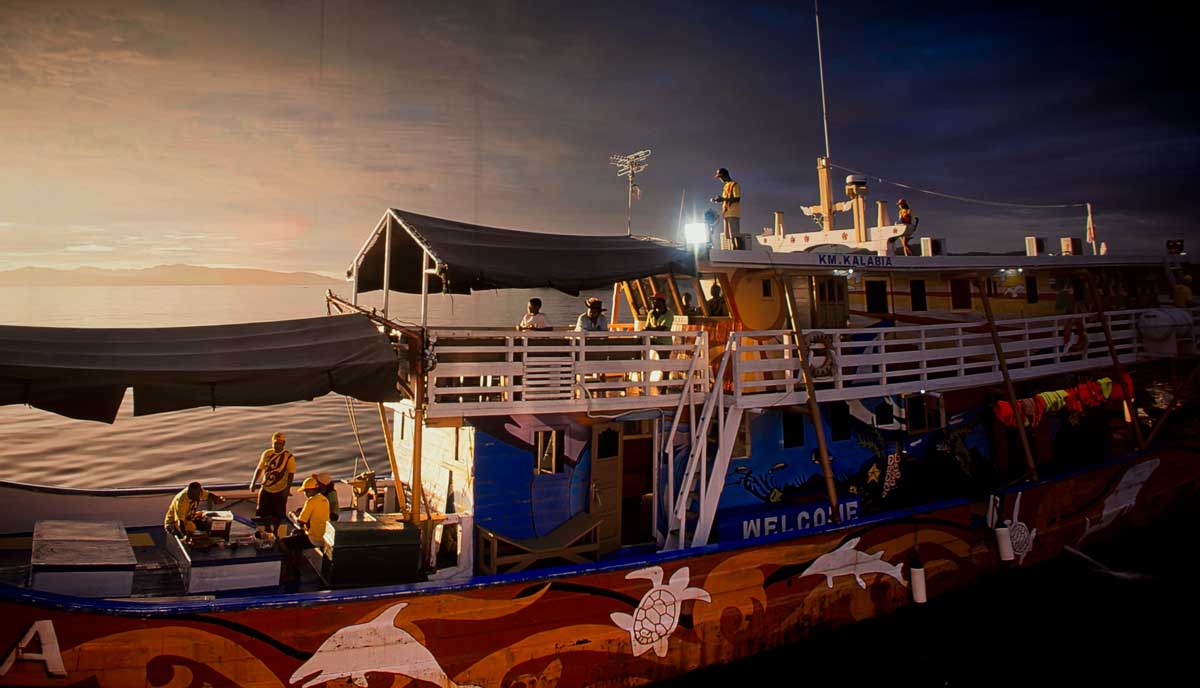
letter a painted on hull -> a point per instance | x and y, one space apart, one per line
47 653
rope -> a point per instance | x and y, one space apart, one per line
965 199
354 426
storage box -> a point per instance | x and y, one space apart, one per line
378 550
83 558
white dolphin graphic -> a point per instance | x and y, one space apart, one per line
1122 498
847 561
354 651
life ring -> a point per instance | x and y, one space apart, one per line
1075 339
825 365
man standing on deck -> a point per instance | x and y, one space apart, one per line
277 467
731 208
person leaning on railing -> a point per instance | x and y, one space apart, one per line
533 319
593 319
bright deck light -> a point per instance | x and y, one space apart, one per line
696 232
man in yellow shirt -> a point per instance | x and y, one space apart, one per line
312 519
183 516
277 466
1183 292
731 207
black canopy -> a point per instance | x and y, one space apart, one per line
83 373
476 257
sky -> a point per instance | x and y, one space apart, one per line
275 134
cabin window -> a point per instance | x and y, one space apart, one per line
916 290
884 414
793 429
923 412
877 297
1031 291
608 443
839 420
960 294
548 444
766 288
457 438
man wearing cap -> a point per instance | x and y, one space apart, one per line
277 466
731 206
312 520
593 319
183 516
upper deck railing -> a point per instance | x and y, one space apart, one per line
871 362
482 372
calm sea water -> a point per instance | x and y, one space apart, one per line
205 444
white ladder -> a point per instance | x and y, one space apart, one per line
703 479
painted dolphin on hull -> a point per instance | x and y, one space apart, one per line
1122 499
847 561
354 651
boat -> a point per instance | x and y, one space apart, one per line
861 431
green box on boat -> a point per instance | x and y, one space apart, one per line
380 551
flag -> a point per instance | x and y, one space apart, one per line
1091 229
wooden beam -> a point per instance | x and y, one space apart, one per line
1118 369
616 303
814 409
674 293
980 284
633 316
700 294
642 295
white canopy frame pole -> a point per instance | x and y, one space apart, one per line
387 265
424 288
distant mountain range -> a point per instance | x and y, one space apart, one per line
157 276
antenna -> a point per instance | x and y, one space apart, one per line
821 66
628 166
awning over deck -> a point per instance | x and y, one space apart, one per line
83 373
474 257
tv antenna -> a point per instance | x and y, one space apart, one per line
628 166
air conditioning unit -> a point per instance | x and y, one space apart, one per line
933 247
1035 246
1071 246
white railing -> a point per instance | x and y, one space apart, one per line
502 372
872 362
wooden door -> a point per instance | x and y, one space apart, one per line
832 305
606 483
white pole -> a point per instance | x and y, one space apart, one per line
424 289
387 266
821 66
629 209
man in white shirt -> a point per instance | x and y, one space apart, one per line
593 320
533 319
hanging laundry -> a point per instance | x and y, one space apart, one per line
1028 411
1004 414
1039 410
